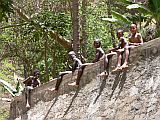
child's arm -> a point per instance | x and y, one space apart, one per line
67 65
96 57
126 42
39 83
99 54
78 60
140 38
27 80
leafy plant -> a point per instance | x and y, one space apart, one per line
152 11
5 9
14 91
118 18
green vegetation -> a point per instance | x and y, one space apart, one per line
39 34
6 73
5 9
4 114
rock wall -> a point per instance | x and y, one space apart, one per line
129 95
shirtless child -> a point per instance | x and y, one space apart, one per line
99 51
30 83
135 39
77 64
117 50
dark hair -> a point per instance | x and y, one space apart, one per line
120 30
133 24
71 53
97 41
36 71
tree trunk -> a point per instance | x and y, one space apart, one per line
46 59
25 71
111 25
157 28
54 68
75 26
84 34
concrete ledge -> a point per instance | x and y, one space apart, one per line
41 93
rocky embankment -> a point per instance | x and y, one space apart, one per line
129 95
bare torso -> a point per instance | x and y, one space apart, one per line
135 38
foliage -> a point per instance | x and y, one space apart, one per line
4 113
31 47
5 9
151 11
7 80
118 18
14 91
96 28
58 22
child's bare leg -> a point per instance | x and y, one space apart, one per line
27 98
80 72
119 59
125 65
59 80
104 73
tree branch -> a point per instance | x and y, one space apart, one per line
14 25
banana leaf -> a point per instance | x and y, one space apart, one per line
8 87
140 8
112 20
121 17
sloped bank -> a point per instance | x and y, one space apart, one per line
128 95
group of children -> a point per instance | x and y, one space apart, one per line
135 39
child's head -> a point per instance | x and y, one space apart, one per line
120 33
36 73
133 28
97 43
71 54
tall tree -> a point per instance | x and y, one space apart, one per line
111 25
84 25
75 26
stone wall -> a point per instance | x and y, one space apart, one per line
129 95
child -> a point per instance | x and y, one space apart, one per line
117 50
120 49
30 83
99 51
72 68
77 64
135 39
99 54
